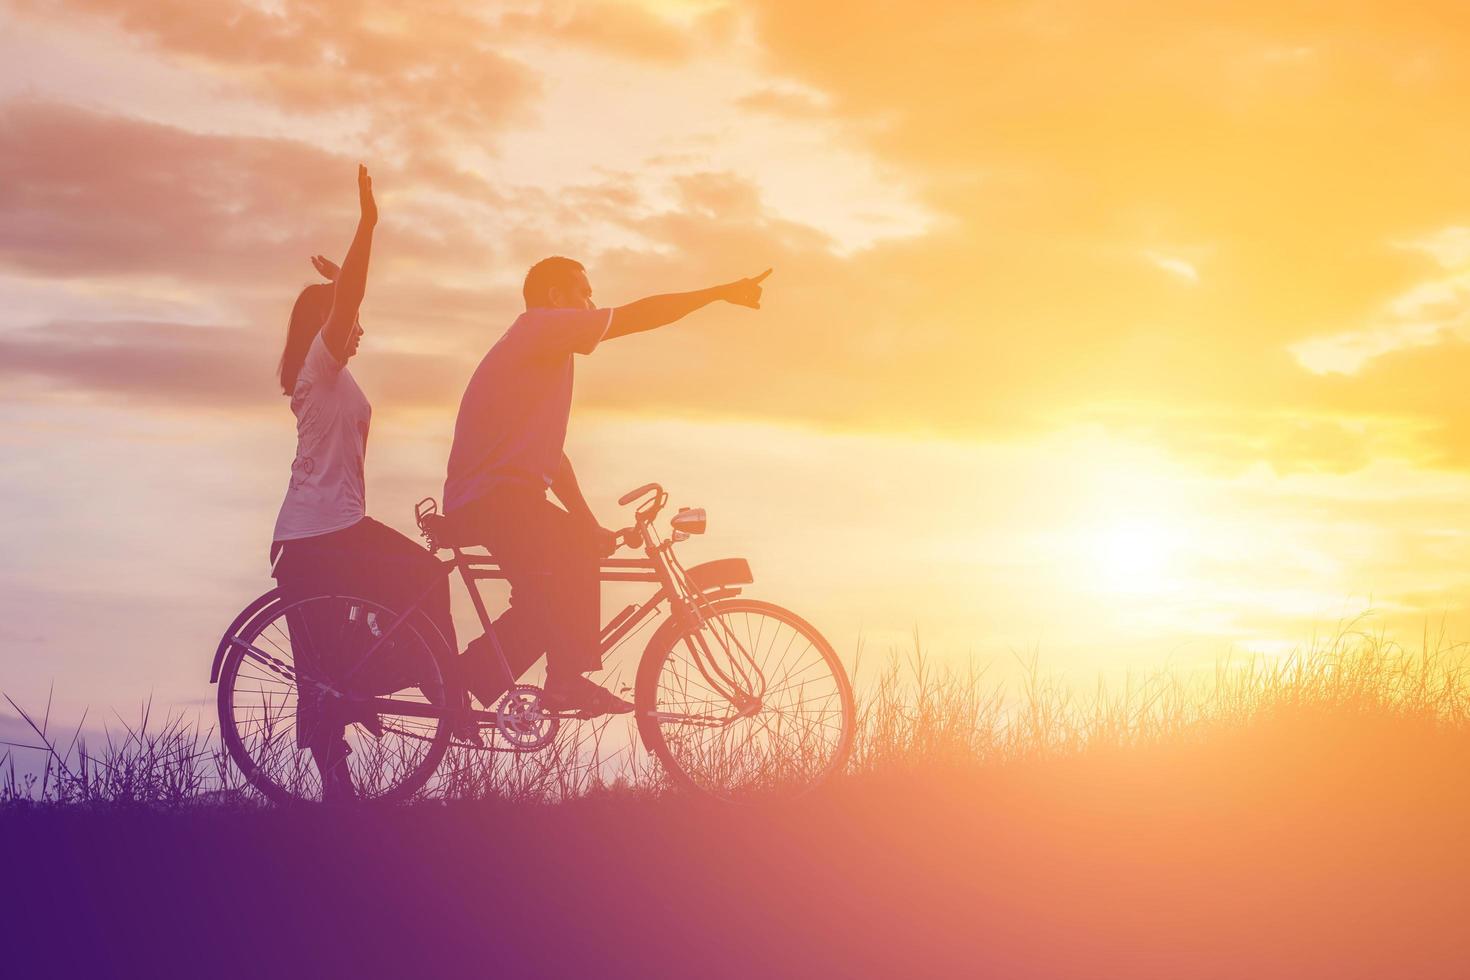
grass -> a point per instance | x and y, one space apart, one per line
915 719
1300 817
919 718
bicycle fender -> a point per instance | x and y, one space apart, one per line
719 574
224 641
713 580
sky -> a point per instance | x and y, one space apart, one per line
1121 336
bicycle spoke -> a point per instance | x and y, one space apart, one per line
798 730
265 712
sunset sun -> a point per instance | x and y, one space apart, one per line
1133 554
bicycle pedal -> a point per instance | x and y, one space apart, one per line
581 714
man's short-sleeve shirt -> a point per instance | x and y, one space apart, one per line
512 421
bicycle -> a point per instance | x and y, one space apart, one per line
732 695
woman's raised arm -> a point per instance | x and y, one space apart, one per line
352 279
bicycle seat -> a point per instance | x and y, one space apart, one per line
442 531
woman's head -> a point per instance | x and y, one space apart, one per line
307 318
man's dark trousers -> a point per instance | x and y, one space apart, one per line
552 563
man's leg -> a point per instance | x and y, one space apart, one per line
575 588
499 523
552 565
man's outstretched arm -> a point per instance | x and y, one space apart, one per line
657 311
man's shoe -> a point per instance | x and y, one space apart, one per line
573 692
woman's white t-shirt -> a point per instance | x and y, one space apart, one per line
326 492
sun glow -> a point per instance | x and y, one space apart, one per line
1133 554
1126 520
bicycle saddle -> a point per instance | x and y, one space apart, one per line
442 531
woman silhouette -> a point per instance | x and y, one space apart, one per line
324 542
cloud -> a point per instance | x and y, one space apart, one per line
1426 314
1348 353
1048 133
87 195
84 193
176 365
1049 142
411 71
224 224
161 363
1228 440
620 28
795 102
1175 266
1450 247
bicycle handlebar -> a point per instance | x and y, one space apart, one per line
633 495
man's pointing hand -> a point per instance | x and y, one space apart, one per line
746 292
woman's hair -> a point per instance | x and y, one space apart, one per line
307 317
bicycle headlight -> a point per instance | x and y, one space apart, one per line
690 520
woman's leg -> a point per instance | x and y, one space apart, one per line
398 569
306 568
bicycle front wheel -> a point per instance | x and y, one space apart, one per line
313 707
754 701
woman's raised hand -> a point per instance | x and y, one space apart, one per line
352 277
365 196
325 267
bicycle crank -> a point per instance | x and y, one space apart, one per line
523 721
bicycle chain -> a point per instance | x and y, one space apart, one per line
456 741
279 666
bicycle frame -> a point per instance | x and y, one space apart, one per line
685 589
474 568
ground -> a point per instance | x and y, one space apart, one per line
1330 848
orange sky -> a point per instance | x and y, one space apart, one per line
1130 333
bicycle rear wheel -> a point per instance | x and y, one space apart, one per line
784 727
306 714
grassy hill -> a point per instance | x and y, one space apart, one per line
1302 819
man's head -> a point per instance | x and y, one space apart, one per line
558 282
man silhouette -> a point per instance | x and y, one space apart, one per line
508 451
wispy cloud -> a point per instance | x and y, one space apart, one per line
177 365
1450 247
1428 313
85 193
1348 353
1174 265
409 73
